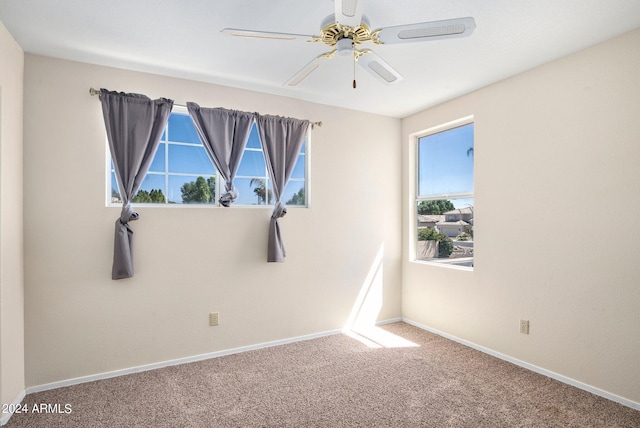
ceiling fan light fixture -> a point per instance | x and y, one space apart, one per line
344 47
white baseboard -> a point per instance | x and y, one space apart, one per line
540 370
6 416
194 358
389 321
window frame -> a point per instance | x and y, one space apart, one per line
179 109
415 197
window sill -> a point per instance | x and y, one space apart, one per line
208 206
456 264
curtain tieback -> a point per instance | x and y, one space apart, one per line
231 195
128 214
278 211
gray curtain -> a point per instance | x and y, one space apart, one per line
281 140
134 126
224 134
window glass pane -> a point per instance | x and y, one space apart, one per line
189 159
252 164
115 193
294 193
254 140
184 189
253 191
445 231
152 190
298 169
181 129
445 162
157 165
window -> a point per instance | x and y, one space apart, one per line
182 173
444 196
253 182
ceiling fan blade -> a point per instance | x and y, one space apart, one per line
379 68
305 71
349 12
434 30
235 32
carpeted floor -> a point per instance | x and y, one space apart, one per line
335 381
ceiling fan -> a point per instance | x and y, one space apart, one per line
349 28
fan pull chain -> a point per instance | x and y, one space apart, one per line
354 68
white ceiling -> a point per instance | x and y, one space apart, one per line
182 38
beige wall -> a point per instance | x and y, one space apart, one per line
557 153
11 241
192 261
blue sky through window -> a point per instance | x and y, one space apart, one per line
181 129
446 162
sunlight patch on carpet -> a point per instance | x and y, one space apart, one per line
361 324
376 337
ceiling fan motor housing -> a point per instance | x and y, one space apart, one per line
332 33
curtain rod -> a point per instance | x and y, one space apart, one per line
94 92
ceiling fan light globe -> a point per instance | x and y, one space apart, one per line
345 47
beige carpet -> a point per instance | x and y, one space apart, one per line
335 381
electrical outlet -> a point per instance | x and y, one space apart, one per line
524 326
213 319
